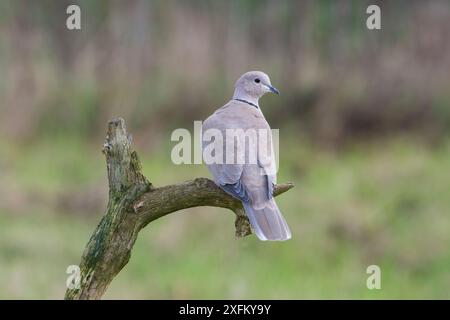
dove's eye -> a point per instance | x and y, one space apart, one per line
257 80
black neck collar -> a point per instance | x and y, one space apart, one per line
247 102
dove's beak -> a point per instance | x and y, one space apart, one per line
273 89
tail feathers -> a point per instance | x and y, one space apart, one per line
268 223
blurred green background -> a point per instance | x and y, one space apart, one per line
364 120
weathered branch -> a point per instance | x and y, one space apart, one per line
134 203
199 192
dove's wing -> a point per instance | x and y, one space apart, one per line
226 176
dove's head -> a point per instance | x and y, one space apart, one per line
253 84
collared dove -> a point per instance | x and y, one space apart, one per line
249 181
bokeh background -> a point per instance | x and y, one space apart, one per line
364 119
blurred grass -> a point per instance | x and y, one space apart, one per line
376 203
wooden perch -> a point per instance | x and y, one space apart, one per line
134 203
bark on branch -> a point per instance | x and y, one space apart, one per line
133 203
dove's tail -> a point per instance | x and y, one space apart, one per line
267 222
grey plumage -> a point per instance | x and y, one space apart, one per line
249 181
